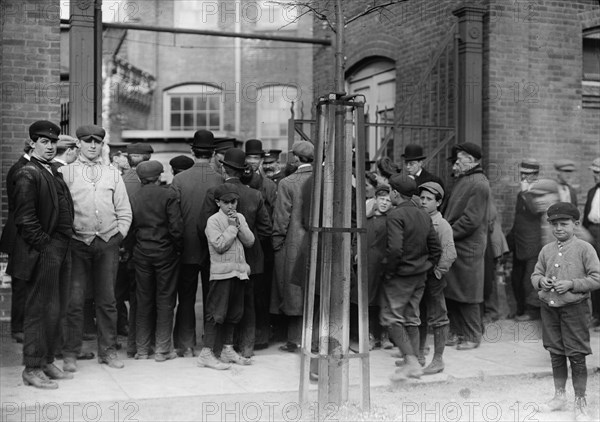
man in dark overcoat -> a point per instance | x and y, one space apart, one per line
467 212
414 159
252 205
7 244
44 220
289 236
191 186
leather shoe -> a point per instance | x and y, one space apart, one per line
56 374
111 360
289 347
18 337
69 364
37 378
162 357
467 345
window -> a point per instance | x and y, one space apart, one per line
591 69
193 107
273 111
272 15
198 14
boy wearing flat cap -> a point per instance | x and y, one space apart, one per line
564 176
157 233
228 234
566 271
413 249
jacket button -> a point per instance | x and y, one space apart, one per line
551 302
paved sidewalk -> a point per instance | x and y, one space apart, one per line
509 348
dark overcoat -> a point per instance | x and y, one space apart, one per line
9 232
289 239
467 212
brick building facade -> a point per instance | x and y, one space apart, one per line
535 99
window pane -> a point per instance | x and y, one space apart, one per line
200 102
175 103
188 103
175 121
201 119
213 103
188 120
214 120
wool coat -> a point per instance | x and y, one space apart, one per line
9 233
467 212
289 239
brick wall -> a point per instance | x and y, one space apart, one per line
29 74
531 77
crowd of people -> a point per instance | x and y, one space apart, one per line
88 234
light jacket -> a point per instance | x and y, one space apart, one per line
226 246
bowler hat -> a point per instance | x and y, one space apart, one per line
565 165
271 155
204 140
413 152
433 187
254 147
562 210
303 149
149 169
529 165
595 165
139 148
86 132
234 158
403 184
181 162
468 147
44 128
223 144
226 192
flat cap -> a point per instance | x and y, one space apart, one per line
44 128
562 210
543 187
303 149
90 131
148 169
403 184
65 142
529 165
226 192
271 155
382 190
181 162
470 148
139 148
432 187
595 165
565 165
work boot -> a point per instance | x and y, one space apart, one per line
436 366
412 369
229 355
558 402
37 378
70 364
54 373
207 359
581 410
162 357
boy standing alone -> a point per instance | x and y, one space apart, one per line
566 271
227 233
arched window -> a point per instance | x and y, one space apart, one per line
273 110
192 107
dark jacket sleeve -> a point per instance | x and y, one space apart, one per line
395 241
263 224
434 246
175 220
26 208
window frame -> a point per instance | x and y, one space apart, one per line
193 90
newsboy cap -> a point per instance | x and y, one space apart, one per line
226 192
304 149
565 165
403 184
149 169
529 165
433 187
204 140
543 187
44 128
562 210
90 131
64 143
470 148
139 148
181 162
595 165
382 190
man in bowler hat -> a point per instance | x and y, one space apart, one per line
191 186
413 162
44 220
